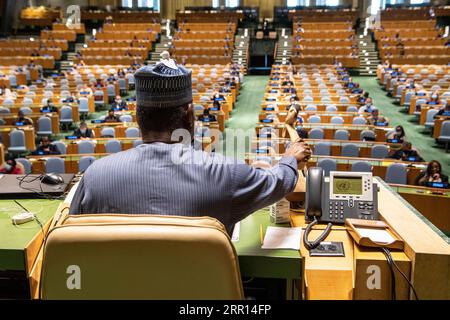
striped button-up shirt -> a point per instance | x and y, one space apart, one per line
175 179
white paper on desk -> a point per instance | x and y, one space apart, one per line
376 235
282 238
236 232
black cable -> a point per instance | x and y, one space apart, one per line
314 244
386 251
390 263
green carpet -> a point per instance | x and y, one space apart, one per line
415 133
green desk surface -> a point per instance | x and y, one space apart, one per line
264 263
14 239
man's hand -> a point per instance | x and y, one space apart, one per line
299 150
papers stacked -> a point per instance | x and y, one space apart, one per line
279 211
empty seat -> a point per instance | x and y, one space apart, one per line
361 166
322 149
137 142
86 147
66 116
17 141
331 108
44 126
350 150
429 122
396 173
316 133
359 120
132 132
327 165
83 107
126 118
337 120
108 132
113 146
314 119
311 108
341 134
379 151
55 165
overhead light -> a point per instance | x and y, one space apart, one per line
31 39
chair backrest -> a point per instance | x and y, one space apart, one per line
314 119
108 132
322 149
352 109
170 258
66 113
361 166
359 120
380 151
85 162
132 132
61 146
17 138
396 173
113 146
26 164
445 129
86 147
341 134
350 150
327 165
45 124
111 90
4 110
311 108
337 120
126 118
84 105
430 115
316 133
367 134
55 165
26 110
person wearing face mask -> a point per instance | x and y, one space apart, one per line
406 153
84 132
368 107
206 116
11 167
434 99
433 173
376 120
398 134
118 104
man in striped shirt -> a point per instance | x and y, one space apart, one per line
166 177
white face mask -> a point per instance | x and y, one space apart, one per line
434 96
7 166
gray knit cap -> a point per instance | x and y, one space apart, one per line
165 84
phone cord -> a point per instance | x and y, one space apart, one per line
314 244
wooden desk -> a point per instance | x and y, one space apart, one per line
427 249
29 136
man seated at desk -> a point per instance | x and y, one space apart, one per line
445 111
290 90
49 107
118 104
226 189
83 132
21 120
368 107
46 147
434 99
217 96
206 116
406 153
376 120
433 173
111 117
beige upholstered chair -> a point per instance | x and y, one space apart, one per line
139 257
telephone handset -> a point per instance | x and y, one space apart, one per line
335 198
